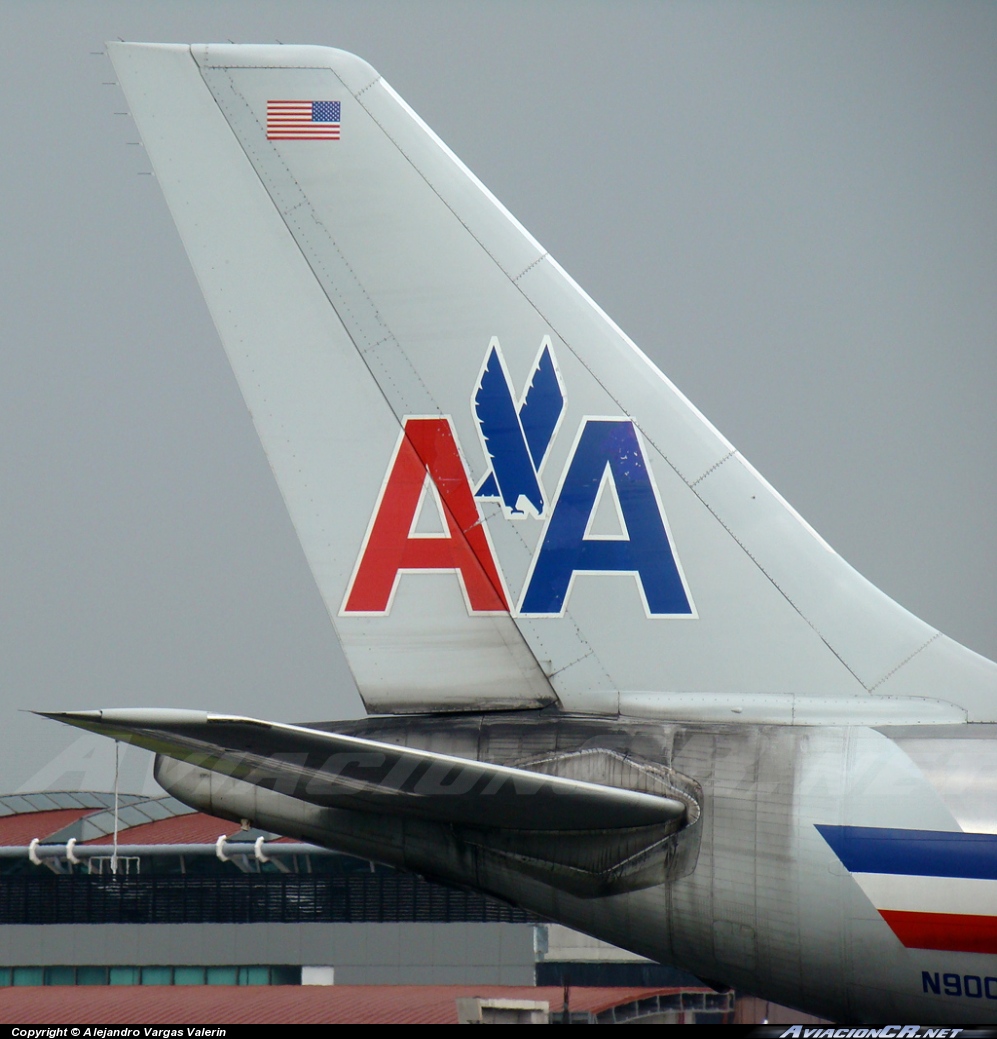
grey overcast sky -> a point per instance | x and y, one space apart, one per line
792 207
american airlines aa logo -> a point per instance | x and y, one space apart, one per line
607 462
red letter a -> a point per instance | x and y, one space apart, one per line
427 449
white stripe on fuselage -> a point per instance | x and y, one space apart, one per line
956 895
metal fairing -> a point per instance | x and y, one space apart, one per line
593 819
621 682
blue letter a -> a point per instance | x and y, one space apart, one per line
642 550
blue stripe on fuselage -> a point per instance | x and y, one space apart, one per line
921 853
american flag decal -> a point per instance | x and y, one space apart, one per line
303 120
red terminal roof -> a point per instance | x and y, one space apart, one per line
16 830
144 820
193 828
284 1004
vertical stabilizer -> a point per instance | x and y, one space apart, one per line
502 500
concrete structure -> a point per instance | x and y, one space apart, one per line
361 954
565 956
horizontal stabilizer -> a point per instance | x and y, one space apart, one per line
339 771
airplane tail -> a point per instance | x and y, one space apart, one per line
503 501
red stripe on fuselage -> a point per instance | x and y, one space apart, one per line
949 931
